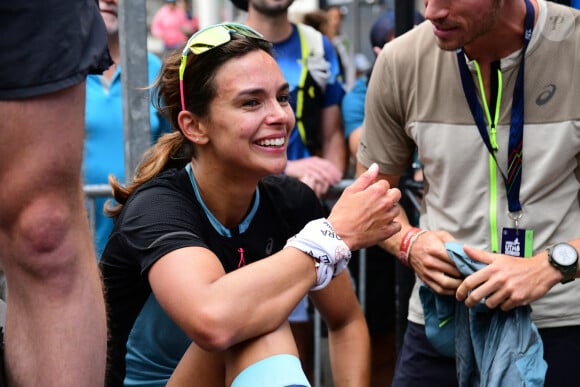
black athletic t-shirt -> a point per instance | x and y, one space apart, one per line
164 215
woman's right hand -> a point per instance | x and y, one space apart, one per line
364 214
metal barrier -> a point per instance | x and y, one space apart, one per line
92 192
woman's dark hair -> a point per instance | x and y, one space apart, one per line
174 150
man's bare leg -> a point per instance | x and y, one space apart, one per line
55 324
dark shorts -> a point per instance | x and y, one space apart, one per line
562 353
419 364
49 45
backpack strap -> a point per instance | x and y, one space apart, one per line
310 45
312 39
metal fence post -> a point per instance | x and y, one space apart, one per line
133 47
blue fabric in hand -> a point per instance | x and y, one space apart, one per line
491 347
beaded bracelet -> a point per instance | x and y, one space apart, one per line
415 237
407 243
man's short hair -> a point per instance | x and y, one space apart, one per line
241 4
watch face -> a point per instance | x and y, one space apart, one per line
564 254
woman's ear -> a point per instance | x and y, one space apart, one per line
192 127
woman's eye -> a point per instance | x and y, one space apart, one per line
251 102
284 98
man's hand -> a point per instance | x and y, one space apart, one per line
429 259
507 282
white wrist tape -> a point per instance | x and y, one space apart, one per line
324 274
319 240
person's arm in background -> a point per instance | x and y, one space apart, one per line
333 146
348 335
353 114
353 141
320 173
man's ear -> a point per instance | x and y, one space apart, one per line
192 127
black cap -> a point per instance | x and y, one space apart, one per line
382 28
385 26
241 4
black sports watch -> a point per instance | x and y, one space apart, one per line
564 257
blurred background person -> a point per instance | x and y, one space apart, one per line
104 145
173 25
335 15
328 22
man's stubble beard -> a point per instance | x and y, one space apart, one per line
263 7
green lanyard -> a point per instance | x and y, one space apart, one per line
492 164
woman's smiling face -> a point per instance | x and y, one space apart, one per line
250 118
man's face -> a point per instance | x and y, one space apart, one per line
271 7
109 10
457 23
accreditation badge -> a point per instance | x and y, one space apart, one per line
517 242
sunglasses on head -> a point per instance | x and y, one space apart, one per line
209 38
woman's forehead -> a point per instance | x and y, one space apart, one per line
256 67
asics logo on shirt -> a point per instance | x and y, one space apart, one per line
546 94
269 246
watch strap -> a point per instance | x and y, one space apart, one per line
568 271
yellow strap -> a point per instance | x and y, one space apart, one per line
305 52
495 243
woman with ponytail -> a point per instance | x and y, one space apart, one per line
213 246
